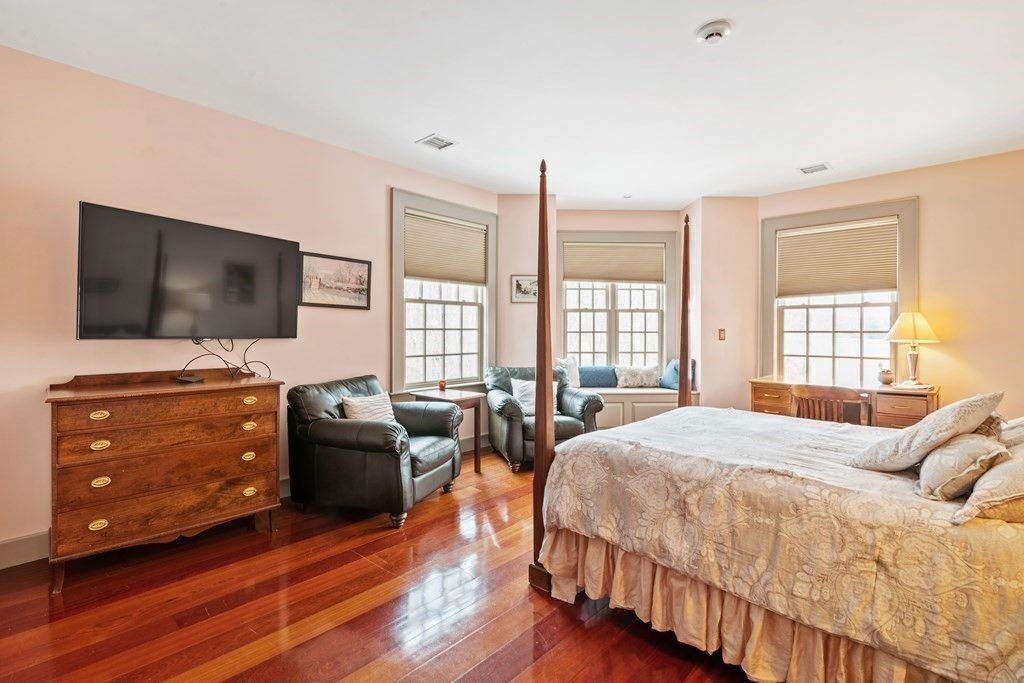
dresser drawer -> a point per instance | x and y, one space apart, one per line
902 406
98 482
770 408
119 412
106 443
770 395
895 421
112 524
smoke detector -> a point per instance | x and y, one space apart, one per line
816 168
436 141
714 31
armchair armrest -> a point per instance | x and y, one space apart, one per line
359 435
503 404
578 403
429 418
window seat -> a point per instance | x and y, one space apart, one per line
623 405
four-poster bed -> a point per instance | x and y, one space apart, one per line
752 535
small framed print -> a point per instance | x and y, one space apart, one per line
334 281
524 289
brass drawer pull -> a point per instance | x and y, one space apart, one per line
99 415
249 400
770 412
249 426
771 395
100 482
100 445
98 524
902 405
248 455
251 491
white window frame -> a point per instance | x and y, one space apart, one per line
906 211
612 311
400 201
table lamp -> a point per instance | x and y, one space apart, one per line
912 328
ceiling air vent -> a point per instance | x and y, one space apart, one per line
816 168
436 141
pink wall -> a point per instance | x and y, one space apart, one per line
637 221
68 135
972 242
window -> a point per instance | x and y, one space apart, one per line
835 339
443 332
615 323
443 300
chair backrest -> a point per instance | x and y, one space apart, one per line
828 403
311 402
501 378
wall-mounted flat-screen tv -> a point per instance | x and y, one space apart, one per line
148 277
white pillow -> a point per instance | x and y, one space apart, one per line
524 391
376 407
999 494
572 370
951 469
634 377
1012 432
911 445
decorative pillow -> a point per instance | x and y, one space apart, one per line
992 427
670 378
951 469
597 376
572 370
376 407
525 392
1012 433
912 444
634 377
999 494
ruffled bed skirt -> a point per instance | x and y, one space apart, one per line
769 646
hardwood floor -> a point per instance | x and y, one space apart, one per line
335 596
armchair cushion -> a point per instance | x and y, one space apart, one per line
429 418
311 402
578 403
565 427
430 452
359 435
501 378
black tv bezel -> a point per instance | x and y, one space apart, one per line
78 284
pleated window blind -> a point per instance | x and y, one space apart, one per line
446 249
614 261
858 256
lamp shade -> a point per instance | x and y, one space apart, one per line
912 328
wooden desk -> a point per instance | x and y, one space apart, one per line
464 400
889 407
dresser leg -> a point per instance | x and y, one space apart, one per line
264 522
56 578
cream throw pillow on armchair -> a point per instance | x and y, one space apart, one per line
376 407
525 391
912 444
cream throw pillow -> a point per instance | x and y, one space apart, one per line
912 444
376 407
1012 432
999 494
635 377
950 470
525 391
572 370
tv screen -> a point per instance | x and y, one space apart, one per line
147 277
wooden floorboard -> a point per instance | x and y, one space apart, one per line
335 596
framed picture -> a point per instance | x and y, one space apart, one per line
524 289
334 281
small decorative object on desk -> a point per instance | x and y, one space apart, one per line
441 385
886 376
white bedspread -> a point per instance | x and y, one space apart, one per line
766 508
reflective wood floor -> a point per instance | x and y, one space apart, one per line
335 596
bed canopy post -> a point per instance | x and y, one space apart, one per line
544 411
685 389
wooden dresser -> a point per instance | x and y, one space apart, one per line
141 458
889 407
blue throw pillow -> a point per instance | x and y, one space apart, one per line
598 376
670 378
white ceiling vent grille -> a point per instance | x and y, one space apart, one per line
436 141
816 168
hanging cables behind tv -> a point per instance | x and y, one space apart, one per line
233 368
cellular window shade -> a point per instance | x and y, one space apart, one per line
614 261
447 249
859 256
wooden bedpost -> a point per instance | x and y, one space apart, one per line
544 439
684 321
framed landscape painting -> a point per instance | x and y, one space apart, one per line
524 289
334 281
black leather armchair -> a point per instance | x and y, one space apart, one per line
383 466
511 433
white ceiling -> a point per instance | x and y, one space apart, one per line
616 94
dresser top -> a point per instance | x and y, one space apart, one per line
159 383
878 388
